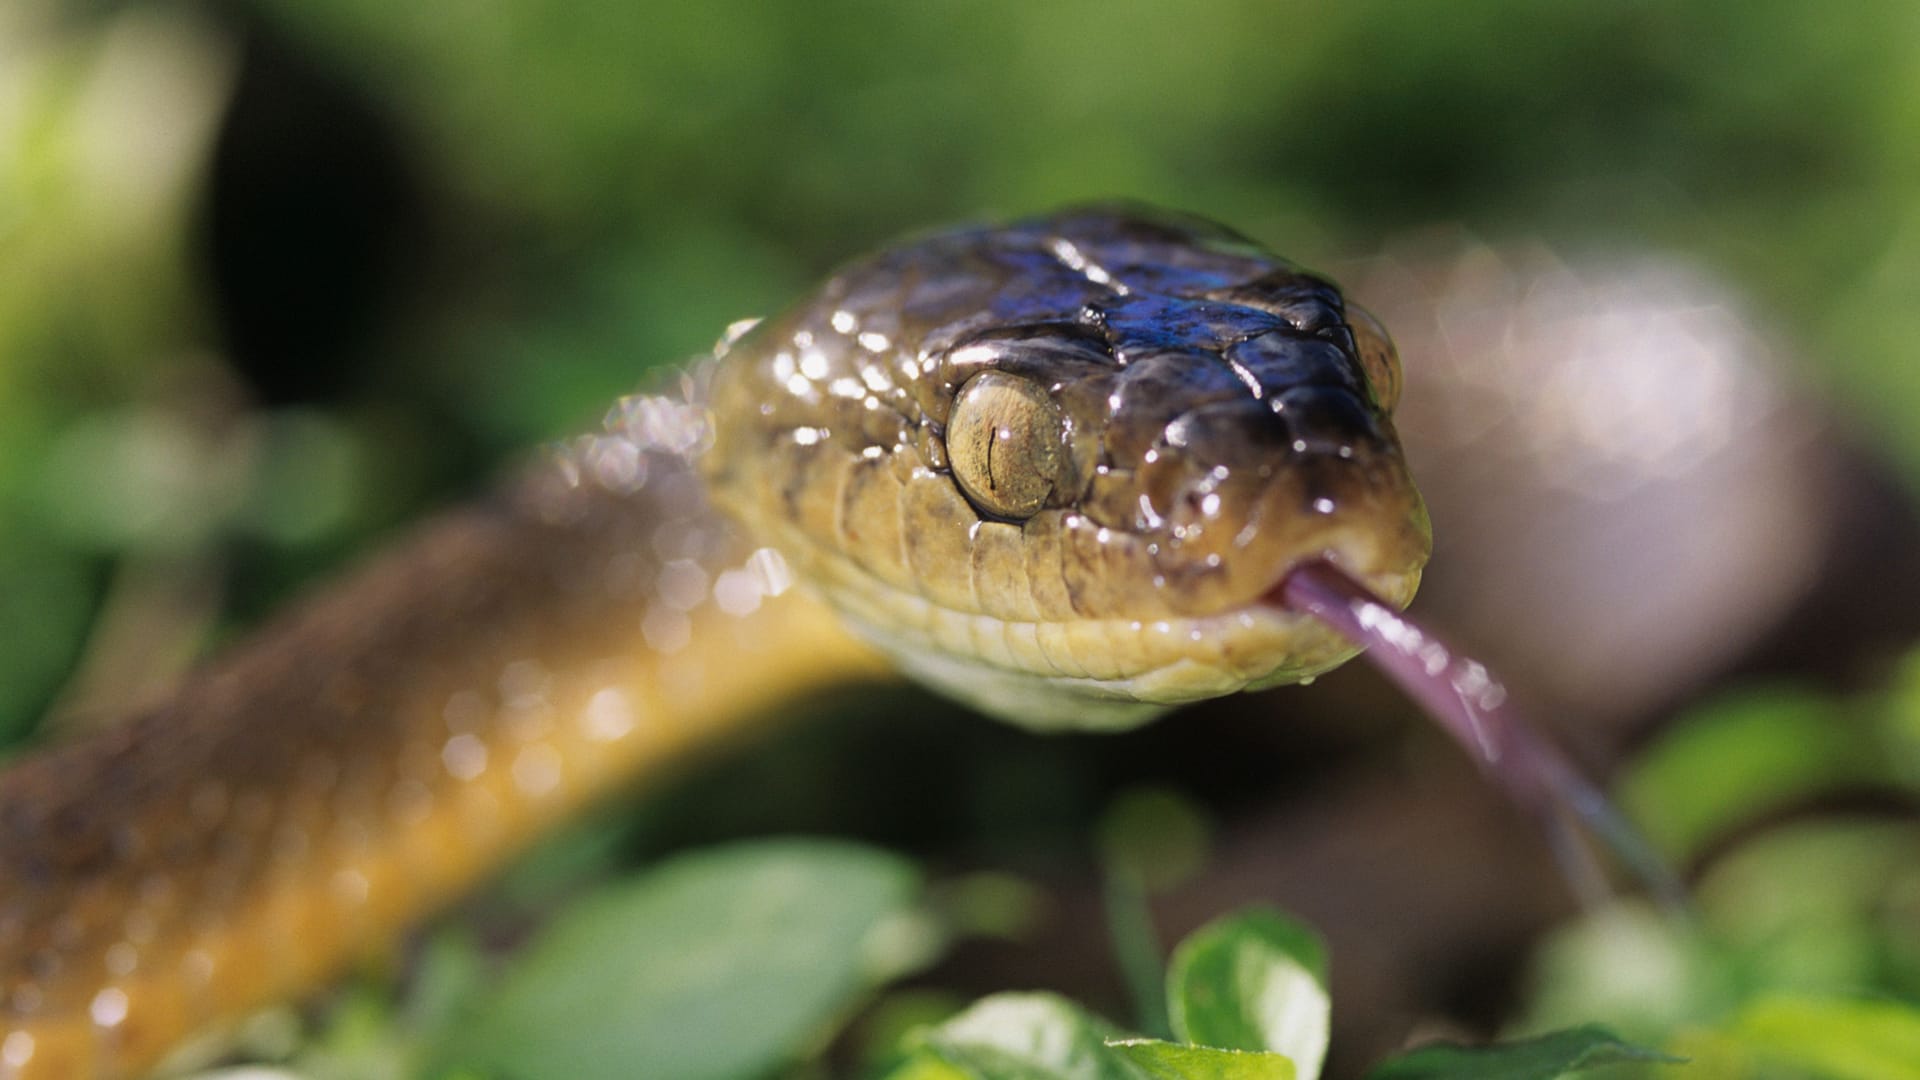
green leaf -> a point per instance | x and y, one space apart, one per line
450 973
1153 838
1642 971
926 1066
1735 758
1838 1040
1044 1037
1560 1053
1026 1037
45 603
1256 980
1172 1061
719 964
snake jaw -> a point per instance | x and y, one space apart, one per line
1105 673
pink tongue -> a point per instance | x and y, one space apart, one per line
1471 706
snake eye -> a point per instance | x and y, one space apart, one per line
1378 360
1006 440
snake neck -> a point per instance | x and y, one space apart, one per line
373 753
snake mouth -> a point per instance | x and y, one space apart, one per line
1377 536
1388 566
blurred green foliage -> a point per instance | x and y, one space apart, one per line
586 191
1805 959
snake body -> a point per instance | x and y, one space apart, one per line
1052 467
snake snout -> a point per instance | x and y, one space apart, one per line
1359 511
1253 487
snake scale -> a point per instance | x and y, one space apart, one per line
1053 467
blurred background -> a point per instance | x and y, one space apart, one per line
277 278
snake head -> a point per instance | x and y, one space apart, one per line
1056 467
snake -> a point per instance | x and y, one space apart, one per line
1056 468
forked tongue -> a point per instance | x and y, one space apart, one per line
1471 706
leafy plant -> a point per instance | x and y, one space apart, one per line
1248 998
717 964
